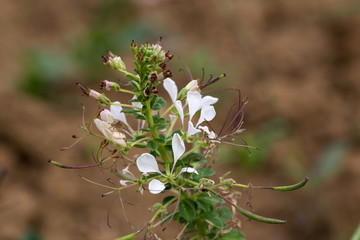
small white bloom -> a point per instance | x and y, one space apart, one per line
110 132
197 102
146 163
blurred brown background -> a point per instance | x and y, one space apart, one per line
297 61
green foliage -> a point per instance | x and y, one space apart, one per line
232 235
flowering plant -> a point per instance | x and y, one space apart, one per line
176 144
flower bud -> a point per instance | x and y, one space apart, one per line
153 77
94 94
167 74
168 55
114 61
109 85
133 47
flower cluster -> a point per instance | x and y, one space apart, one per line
177 142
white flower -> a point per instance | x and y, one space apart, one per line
195 102
107 118
146 163
110 132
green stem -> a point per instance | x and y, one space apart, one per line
160 210
154 134
126 91
167 110
168 132
138 141
125 105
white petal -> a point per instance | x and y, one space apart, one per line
205 129
189 170
147 163
118 115
178 147
208 100
207 113
180 110
171 88
119 138
108 134
136 104
194 101
191 129
106 116
124 182
155 186
127 171
212 135
102 126
193 86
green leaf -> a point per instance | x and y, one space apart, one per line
159 103
159 140
167 199
356 235
212 199
225 213
194 157
129 110
138 116
205 172
214 219
187 210
203 205
135 85
131 77
233 235
160 123
151 145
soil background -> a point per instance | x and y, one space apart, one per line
298 62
